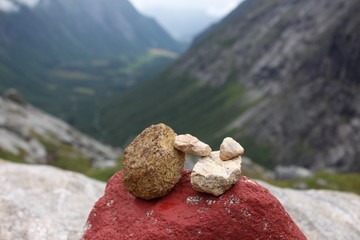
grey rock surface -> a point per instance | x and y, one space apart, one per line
24 128
321 214
297 61
292 172
212 175
42 202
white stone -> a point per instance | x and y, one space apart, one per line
230 149
42 202
214 176
190 144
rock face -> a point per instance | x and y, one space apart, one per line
212 175
292 60
230 149
42 202
247 211
190 144
321 214
152 166
37 137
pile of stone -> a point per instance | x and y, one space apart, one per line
180 206
154 161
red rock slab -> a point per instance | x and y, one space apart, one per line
246 211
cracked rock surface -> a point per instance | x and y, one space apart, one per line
212 175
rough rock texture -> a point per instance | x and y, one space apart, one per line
212 175
42 202
152 166
190 144
27 132
321 214
292 172
246 211
230 149
65 201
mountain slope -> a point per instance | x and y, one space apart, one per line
280 76
29 135
61 54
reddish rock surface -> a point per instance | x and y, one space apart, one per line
246 211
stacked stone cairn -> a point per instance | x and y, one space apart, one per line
154 161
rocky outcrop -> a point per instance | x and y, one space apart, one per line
37 137
152 166
191 145
246 211
212 175
298 58
42 202
321 214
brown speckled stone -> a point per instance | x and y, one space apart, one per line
152 166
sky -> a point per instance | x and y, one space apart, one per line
9 6
184 19
216 8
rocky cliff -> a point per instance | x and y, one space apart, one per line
279 75
42 202
29 135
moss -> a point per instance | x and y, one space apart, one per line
105 174
12 157
347 182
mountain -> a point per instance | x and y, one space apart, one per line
61 53
29 135
280 76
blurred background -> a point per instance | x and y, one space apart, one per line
81 79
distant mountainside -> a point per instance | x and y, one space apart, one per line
61 53
29 135
281 76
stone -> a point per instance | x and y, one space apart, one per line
246 211
190 144
41 202
13 95
230 149
212 175
292 172
152 166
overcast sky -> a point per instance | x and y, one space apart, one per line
218 8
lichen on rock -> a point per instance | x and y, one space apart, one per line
152 166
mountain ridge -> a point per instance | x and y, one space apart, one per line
264 75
